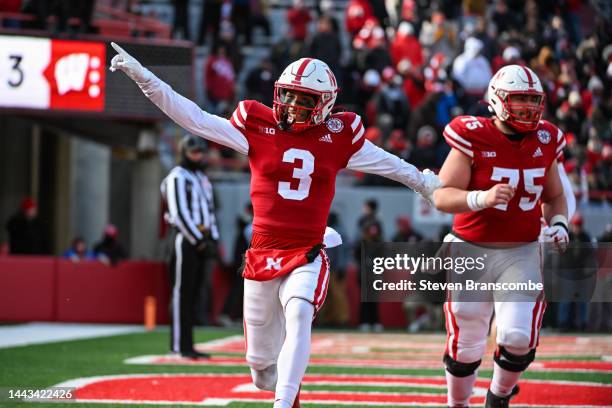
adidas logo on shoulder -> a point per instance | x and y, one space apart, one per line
326 138
538 152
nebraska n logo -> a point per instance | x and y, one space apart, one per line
273 263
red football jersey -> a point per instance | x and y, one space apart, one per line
293 174
496 159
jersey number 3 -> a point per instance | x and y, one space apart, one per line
301 173
512 176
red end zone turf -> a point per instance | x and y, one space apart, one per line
562 355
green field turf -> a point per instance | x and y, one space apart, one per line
40 366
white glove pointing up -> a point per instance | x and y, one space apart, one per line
130 65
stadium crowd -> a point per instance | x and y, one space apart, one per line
408 67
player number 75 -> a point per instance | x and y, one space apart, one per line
513 177
471 122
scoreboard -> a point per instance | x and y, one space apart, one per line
62 76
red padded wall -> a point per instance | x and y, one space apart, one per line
93 292
27 286
50 289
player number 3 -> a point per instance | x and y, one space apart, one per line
301 173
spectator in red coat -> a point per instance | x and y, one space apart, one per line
370 47
220 78
414 83
406 46
298 17
510 56
357 13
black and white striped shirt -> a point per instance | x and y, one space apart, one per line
191 207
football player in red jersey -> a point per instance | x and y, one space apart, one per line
500 177
295 151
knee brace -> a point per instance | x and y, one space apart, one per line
265 379
513 362
459 369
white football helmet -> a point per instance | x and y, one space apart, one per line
308 76
516 79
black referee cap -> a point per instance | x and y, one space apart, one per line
191 142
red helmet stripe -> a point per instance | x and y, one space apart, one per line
332 80
300 72
529 78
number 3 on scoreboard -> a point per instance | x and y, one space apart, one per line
16 76
512 176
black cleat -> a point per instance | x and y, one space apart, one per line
194 355
493 401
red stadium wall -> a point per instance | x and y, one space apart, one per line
93 292
51 289
27 288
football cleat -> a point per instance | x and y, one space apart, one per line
194 355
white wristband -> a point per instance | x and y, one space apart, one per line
476 200
559 219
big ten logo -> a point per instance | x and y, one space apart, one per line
76 75
267 130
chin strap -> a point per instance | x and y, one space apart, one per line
283 124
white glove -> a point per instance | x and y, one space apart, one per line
557 235
130 65
431 183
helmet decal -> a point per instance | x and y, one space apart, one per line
300 71
529 78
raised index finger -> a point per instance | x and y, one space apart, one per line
118 49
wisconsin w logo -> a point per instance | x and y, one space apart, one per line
273 263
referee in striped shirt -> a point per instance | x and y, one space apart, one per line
189 196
